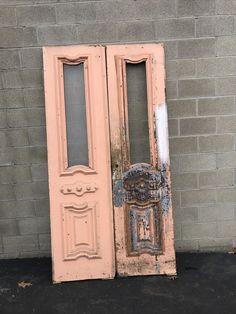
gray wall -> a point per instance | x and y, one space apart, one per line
200 41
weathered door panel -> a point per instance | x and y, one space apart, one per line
79 163
144 237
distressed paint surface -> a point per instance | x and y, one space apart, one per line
144 229
143 217
80 196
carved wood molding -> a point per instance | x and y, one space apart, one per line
79 188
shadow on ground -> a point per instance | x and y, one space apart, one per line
206 283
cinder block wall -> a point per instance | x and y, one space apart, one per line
200 41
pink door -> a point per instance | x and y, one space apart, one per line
79 163
144 235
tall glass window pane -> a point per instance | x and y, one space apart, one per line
137 112
76 124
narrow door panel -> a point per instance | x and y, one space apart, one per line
79 163
140 160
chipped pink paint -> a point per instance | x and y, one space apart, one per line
131 257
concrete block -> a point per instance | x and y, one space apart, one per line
36 117
136 31
225 86
38 154
226 229
226 160
176 199
34 97
214 26
196 88
225 177
226 46
35 15
56 35
6 156
216 106
196 48
170 48
12 79
20 244
208 214
7 16
226 124
45 242
74 13
17 37
11 98
17 137
225 6
215 245
153 9
30 36
14 209
25 117
226 195
207 179
185 215
23 78
198 231
182 145
40 189
9 59
39 172
24 191
192 126
186 245
3 138
196 7
173 126
3 119
17 118
31 58
197 162
6 174
95 33
174 162
34 225
24 155
42 208
8 227
216 66
216 143
181 108
43 225
37 136
175 28
177 231
171 89
225 211
32 78
176 69
193 198
184 181
21 173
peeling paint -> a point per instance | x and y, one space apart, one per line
118 192
142 184
162 132
166 200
